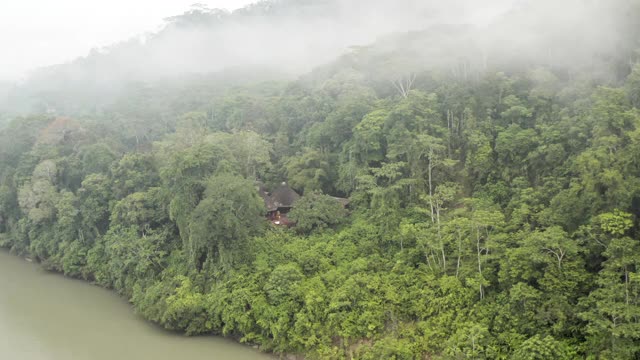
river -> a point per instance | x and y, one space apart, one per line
45 316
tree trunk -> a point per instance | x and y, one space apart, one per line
479 252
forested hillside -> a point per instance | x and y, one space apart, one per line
494 197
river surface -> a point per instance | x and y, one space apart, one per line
45 316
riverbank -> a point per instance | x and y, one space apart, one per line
45 316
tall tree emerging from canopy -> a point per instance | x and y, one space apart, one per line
230 213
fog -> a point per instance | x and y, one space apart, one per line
294 36
36 33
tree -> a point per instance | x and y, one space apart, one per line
469 341
222 223
134 173
95 199
484 220
37 198
97 158
612 308
317 212
143 211
251 152
633 86
308 171
547 348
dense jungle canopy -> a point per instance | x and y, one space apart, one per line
493 178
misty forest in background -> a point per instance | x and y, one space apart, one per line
494 196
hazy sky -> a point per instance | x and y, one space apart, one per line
36 33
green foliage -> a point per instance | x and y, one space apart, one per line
222 223
308 171
133 173
537 348
616 223
97 158
493 215
317 212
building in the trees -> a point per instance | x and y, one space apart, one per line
282 200
279 202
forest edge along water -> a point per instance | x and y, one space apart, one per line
360 179
46 316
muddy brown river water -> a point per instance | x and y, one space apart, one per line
45 316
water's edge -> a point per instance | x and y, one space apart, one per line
130 309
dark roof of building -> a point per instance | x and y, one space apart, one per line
284 196
264 194
268 202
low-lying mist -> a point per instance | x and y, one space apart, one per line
294 36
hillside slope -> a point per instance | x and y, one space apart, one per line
494 196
